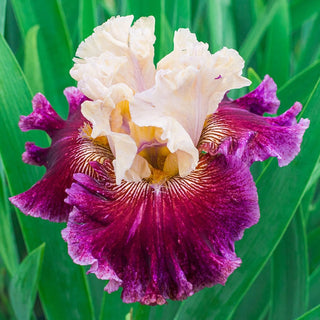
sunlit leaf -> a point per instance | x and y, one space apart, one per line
32 68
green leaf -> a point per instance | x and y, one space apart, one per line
254 78
24 284
221 27
166 34
55 45
178 13
311 48
277 62
256 302
290 272
314 252
302 10
3 6
259 241
113 308
87 18
314 288
71 12
299 87
32 68
8 249
313 314
63 287
167 311
142 312
257 31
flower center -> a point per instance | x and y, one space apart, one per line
151 149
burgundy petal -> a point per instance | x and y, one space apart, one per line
69 153
162 241
43 117
259 137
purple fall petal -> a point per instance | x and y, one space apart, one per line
43 117
68 153
162 241
263 137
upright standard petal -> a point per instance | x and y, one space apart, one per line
70 152
116 53
165 241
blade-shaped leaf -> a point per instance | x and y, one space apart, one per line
299 87
8 249
64 289
256 33
71 12
32 68
256 302
290 272
24 284
314 288
221 26
87 18
55 45
311 48
277 62
113 308
302 10
260 241
314 252
313 314
3 6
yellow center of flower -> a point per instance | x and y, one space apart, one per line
162 163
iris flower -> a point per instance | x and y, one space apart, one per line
151 168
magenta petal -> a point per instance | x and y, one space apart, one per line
69 153
75 98
162 241
35 155
261 100
43 117
257 137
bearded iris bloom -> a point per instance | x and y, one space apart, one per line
151 168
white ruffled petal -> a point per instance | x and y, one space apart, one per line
116 53
191 82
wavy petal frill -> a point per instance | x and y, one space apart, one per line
69 153
162 241
239 126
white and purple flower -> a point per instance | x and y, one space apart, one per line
151 168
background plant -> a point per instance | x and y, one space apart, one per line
280 274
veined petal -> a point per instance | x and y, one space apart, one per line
69 152
253 137
116 53
162 241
